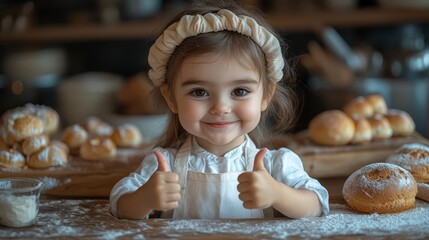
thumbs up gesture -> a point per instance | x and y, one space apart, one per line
163 188
256 188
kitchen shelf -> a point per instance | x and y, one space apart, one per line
287 21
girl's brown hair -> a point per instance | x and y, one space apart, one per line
279 115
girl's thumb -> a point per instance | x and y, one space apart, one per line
258 164
162 162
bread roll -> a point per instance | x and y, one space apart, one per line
401 122
48 156
74 136
381 128
377 102
98 149
49 117
34 144
11 159
413 157
126 135
380 188
24 126
331 127
96 127
358 108
363 131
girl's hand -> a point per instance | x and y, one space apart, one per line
162 191
257 188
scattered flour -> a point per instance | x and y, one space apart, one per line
18 211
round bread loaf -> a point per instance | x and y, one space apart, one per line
48 156
127 135
377 102
96 127
98 149
24 126
34 144
358 108
380 188
414 157
363 131
74 136
401 122
332 127
381 128
11 159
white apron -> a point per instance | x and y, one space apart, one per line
211 196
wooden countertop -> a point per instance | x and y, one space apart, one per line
90 219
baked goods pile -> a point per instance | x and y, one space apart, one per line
25 138
363 119
380 188
96 140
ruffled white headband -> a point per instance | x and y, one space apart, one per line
192 25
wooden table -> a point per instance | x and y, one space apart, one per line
90 219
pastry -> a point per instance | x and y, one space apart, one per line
74 136
11 159
61 145
401 122
48 156
24 126
377 102
95 127
98 149
332 127
414 157
381 128
33 144
380 188
127 135
358 108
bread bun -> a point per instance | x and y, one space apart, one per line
49 117
380 188
61 145
127 135
381 128
11 159
413 157
358 108
74 136
363 131
48 156
34 144
377 102
24 126
98 149
95 127
331 127
401 122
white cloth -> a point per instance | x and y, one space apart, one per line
191 25
283 165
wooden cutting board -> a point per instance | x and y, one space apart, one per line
80 178
341 161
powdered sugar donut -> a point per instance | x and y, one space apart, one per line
414 157
381 188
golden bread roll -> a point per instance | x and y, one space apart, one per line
332 127
24 126
363 131
74 136
414 157
49 156
98 149
381 128
377 102
96 127
380 188
11 159
34 144
49 117
358 108
61 145
126 135
401 122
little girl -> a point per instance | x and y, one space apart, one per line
218 69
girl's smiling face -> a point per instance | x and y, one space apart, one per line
218 100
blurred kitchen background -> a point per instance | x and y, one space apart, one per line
82 57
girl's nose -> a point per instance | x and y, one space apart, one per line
220 106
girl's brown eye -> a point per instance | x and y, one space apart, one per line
240 92
200 93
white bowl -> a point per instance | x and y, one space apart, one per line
19 201
151 126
